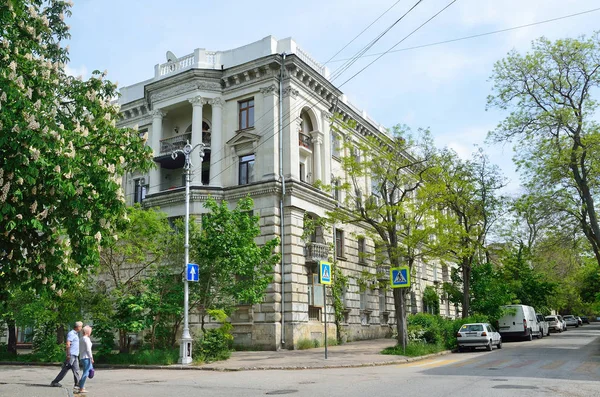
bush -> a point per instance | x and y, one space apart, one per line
426 327
215 344
304 344
45 347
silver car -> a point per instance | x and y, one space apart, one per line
470 336
571 320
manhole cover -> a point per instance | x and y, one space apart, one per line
281 392
515 387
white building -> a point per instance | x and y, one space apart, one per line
236 102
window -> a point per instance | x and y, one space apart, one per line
302 172
356 154
382 301
339 243
335 145
316 299
361 250
358 194
246 169
140 189
336 189
246 109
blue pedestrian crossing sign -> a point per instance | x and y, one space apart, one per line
400 277
325 272
192 272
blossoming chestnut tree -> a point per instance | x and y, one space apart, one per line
61 154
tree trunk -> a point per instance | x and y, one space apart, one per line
12 337
400 307
60 334
123 341
466 275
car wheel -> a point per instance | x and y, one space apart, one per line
541 334
489 346
460 349
530 337
548 334
500 344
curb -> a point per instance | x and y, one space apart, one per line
237 369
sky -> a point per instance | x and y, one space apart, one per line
442 87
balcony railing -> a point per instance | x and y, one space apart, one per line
177 142
316 252
304 141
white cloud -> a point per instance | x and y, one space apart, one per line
76 71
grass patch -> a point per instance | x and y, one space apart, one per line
414 349
142 357
304 344
332 342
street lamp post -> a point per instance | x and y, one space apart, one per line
185 348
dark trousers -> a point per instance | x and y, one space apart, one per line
72 363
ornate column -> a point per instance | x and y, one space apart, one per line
317 138
326 120
197 104
216 143
155 181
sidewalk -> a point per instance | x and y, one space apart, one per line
355 354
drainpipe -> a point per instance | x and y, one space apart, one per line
282 198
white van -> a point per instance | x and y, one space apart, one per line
519 321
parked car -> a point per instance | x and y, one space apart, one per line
519 321
571 320
585 320
470 336
554 324
579 321
544 326
562 321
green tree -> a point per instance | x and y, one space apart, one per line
232 267
61 154
391 209
467 191
146 240
549 92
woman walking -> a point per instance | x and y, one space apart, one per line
86 356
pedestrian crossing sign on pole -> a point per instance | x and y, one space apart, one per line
400 277
325 272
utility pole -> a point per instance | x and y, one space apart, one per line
185 347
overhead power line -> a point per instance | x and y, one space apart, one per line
475 35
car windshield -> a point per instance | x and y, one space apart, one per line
568 317
550 318
472 328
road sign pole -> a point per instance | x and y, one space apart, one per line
185 347
325 310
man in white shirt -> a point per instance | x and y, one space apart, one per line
72 361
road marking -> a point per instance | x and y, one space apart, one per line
467 362
587 367
494 363
522 364
554 364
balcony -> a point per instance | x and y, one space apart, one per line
177 142
316 252
305 142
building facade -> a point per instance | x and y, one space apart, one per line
263 112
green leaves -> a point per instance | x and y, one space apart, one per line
232 267
62 154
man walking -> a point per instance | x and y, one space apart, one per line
72 361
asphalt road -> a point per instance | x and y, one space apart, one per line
566 364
